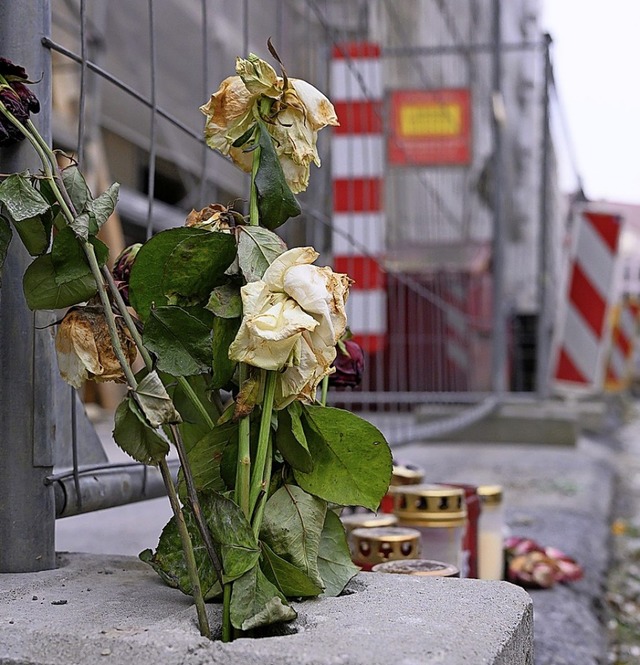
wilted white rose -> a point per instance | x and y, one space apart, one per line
292 320
84 348
297 114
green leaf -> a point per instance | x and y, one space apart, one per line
334 558
95 213
256 602
5 240
257 248
134 435
77 188
69 259
197 265
154 401
47 288
146 279
168 559
205 457
224 332
189 412
292 526
351 459
276 202
103 207
291 581
34 234
291 440
225 301
181 342
21 200
231 530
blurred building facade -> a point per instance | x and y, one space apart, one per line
439 245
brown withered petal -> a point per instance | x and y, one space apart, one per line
11 71
84 349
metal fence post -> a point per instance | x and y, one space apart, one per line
544 324
499 346
27 418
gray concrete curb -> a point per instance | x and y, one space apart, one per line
112 609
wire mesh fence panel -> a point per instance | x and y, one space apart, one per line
405 202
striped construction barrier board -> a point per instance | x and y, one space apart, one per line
357 170
583 332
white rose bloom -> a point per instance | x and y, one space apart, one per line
292 320
299 112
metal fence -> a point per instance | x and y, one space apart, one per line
452 299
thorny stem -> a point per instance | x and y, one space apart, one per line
254 215
243 468
187 546
194 503
263 496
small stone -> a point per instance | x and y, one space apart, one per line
105 652
34 597
59 602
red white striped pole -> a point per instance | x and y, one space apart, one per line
585 329
357 171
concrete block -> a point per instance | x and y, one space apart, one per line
111 609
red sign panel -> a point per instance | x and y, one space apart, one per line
430 127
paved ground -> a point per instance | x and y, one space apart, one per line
564 497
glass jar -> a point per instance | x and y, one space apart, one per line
490 533
470 538
402 474
439 512
379 544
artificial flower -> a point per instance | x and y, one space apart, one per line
292 320
298 111
84 348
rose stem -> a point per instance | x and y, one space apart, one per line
259 482
243 469
194 503
187 547
48 161
324 390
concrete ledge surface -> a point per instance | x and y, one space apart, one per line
110 609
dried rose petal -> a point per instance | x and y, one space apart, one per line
84 349
122 269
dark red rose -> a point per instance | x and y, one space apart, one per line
349 364
17 98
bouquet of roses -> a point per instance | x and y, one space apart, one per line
218 307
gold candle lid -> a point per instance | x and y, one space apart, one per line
430 505
490 495
378 544
367 520
424 567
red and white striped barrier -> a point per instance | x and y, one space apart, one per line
584 331
623 338
357 169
